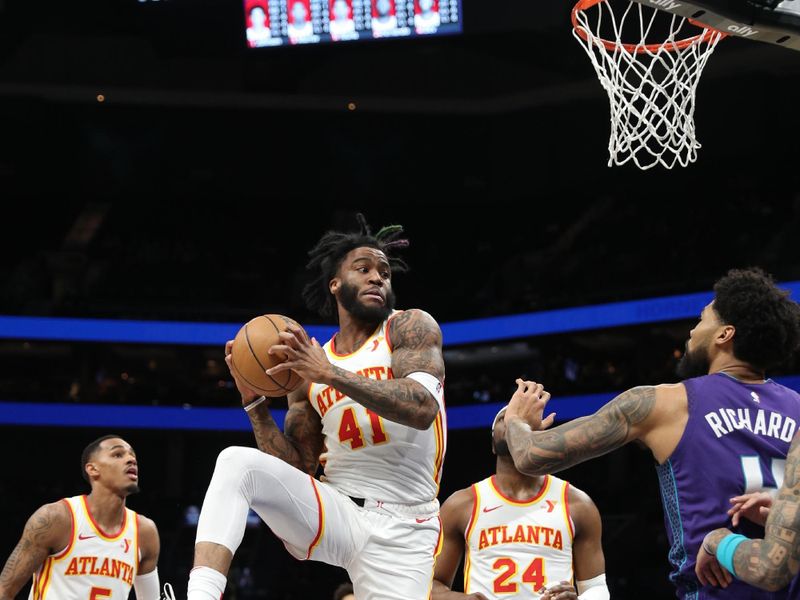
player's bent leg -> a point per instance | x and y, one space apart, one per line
312 519
285 498
292 503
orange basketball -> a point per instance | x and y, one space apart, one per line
250 356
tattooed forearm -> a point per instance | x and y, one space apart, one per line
417 343
31 551
400 400
301 443
773 562
543 452
17 567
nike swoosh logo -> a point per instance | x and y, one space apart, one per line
487 509
85 537
423 520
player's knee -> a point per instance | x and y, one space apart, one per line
237 459
234 459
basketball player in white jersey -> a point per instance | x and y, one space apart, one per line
525 537
89 547
373 400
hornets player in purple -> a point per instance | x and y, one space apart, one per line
722 432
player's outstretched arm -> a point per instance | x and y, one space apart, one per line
455 516
769 563
46 532
410 398
627 417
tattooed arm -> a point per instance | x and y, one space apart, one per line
771 563
301 441
627 417
47 531
416 346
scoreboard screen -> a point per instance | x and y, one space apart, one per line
288 22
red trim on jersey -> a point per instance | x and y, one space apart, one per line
386 333
36 579
439 542
308 391
137 555
441 416
321 525
45 578
534 498
66 550
333 345
566 510
436 551
473 518
109 537
439 456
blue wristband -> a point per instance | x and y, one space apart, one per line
727 548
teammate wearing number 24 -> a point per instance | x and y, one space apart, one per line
722 432
525 537
371 409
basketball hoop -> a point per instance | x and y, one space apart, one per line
651 85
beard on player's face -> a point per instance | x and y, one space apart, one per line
694 363
348 298
500 447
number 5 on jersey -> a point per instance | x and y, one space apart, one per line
350 432
98 593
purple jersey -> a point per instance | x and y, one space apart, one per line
736 441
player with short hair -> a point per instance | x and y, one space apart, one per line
89 547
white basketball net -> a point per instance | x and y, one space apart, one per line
651 86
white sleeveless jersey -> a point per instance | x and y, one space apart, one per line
513 548
368 456
95 565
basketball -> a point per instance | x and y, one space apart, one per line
250 356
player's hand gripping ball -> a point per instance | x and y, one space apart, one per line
250 356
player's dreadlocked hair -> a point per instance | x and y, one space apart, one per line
326 257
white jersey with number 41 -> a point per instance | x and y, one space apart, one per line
368 456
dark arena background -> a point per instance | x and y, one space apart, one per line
153 168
